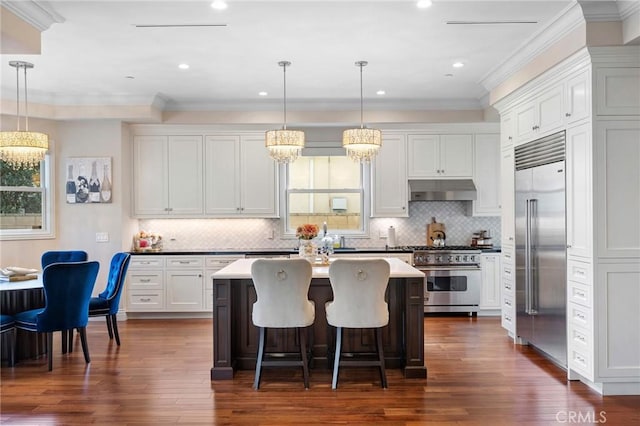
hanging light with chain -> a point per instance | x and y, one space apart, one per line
284 145
22 148
362 144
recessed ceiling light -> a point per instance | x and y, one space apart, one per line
262 93
458 65
130 77
219 4
183 66
448 75
381 92
423 4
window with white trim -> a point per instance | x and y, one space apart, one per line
26 202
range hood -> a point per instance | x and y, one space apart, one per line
442 190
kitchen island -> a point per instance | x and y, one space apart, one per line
235 338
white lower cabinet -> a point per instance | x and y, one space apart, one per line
507 289
490 294
145 284
214 264
184 283
179 283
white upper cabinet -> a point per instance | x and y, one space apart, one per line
578 96
618 91
168 173
389 179
240 178
507 129
507 178
486 175
540 116
578 192
440 156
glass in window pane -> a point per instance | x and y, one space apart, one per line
21 177
333 172
20 210
341 211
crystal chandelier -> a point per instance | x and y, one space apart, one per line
284 145
22 148
362 144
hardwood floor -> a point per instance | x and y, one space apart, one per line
160 375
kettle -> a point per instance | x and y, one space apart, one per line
439 241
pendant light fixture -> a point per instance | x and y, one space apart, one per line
22 148
362 144
284 145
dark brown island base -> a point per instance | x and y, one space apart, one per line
235 338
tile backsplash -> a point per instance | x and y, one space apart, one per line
219 234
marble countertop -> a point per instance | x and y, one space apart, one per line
241 269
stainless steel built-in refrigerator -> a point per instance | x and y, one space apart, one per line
541 283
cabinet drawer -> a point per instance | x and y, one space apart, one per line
507 272
146 262
580 351
508 305
185 262
580 294
146 301
218 263
579 271
145 280
508 287
508 321
580 316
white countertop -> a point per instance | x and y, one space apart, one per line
241 269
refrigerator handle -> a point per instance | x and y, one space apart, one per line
527 258
532 276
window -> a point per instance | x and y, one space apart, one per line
25 202
326 189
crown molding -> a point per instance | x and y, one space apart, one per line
566 21
600 11
628 8
38 14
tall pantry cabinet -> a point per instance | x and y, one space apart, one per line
599 109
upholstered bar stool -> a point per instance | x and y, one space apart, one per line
282 287
358 287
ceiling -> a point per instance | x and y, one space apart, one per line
98 52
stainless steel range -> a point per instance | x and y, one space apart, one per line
453 277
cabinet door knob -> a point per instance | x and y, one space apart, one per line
568 114
568 245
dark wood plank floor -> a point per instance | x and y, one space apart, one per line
160 375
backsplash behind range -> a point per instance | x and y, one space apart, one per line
188 234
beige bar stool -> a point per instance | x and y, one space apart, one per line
282 287
358 287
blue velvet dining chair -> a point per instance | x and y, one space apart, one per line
53 256
8 325
67 290
57 256
108 302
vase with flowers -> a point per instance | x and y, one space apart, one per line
306 233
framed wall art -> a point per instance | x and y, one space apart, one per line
88 180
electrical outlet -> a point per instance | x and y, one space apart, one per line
382 233
102 237
270 234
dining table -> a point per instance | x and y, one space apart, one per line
19 296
